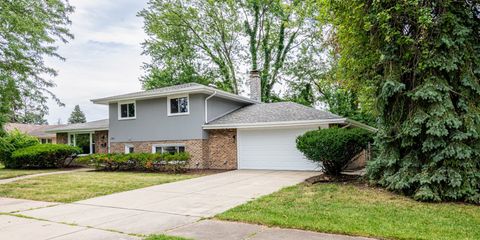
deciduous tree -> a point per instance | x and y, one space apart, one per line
29 31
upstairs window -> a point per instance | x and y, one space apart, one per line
126 110
178 105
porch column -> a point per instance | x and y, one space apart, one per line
91 141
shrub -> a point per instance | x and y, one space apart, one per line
13 141
43 156
137 161
333 147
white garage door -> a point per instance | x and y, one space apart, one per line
271 149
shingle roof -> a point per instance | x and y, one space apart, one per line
274 112
177 89
32 129
93 125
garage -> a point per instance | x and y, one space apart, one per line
272 148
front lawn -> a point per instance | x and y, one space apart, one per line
358 210
11 173
70 187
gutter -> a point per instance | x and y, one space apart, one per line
277 124
361 125
206 105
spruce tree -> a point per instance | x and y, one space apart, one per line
77 116
423 57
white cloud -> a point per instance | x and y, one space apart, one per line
104 58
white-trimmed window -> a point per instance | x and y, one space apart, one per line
127 110
178 105
129 148
170 148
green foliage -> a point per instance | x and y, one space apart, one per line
334 148
211 41
12 141
42 156
138 161
28 32
77 116
424 58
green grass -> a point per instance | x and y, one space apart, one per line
70 187
164 237
358 210
11 173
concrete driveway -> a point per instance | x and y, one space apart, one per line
165 207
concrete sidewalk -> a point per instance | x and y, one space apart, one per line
219 230
18 228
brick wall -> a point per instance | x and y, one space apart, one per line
62 138
101 141
222 149
196 147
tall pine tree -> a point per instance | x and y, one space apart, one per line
424 59
77 116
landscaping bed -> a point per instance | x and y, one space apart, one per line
356 209
77 186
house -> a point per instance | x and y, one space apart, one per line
220 130
38 131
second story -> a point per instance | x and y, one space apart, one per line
170 113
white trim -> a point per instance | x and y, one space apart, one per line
174 97
206 105
189 90
127 148
86 130
277 124
361 125
91 143
119 104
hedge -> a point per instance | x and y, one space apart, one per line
166 162
334 148
13 141
43 156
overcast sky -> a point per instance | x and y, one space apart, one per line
104 58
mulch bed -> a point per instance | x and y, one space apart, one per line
322 178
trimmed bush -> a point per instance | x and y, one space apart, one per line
43 156
137 161
13 141
334 148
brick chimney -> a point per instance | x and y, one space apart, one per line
255 86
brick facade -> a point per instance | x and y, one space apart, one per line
222 148
198 149
219 151
101 141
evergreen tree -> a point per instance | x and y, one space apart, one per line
424 59
77 116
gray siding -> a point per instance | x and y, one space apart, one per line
218 107
153 124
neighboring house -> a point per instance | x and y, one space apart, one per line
220 130
38 131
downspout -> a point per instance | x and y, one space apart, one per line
206 105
